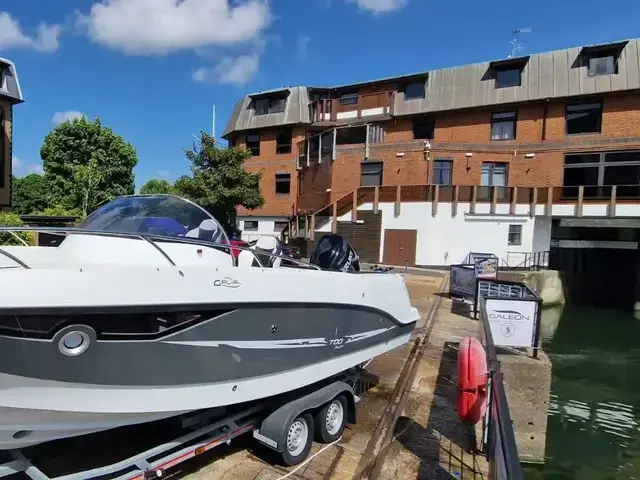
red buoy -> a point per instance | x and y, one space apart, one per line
472 380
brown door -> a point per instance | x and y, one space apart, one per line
399 247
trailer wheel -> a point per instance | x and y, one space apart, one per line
298 441
331 420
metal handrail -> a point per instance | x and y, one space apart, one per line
498 430
149 238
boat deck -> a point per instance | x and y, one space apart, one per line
406 421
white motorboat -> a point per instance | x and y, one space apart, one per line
142 313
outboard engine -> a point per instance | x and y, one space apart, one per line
333 252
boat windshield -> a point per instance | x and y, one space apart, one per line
159 215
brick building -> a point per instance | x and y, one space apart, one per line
10 94
550 131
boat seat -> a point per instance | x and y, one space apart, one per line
266 244
205 231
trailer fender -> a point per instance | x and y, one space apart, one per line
273 428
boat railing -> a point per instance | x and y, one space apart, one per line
152 240
499 442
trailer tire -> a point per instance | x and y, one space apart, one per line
331 420
298 440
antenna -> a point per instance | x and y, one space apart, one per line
516 45
213 122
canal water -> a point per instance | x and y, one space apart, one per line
593 430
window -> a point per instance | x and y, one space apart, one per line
263 106
283 142
351 135
300 182
597 172
515 235
503 126
283 183
583 118
508 77
603 64
349 99
424 128
493 174
371 174
253 143
251 225
442 172
414 90
278 227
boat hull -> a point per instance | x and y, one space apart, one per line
240 354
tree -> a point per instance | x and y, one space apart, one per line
8 219
86 163
29 194
157 186
218 181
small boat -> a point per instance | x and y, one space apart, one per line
143 313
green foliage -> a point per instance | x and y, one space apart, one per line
157 186
13 220
86 164
60 211
29 194
218 181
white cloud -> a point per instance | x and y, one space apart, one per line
160 27
35 168
60 117
302 46
12 36
230 71
21 168
380 6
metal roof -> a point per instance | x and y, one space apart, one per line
9 84
555 74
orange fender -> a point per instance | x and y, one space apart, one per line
472 380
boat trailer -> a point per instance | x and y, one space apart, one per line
272 422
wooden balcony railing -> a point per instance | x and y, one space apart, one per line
332 109
474 195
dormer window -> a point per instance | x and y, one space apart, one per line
511 77
264 106
603 64
508 73
414 90
602 59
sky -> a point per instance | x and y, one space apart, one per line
152 69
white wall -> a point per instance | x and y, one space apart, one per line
445 239
266 226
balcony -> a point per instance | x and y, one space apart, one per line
352 107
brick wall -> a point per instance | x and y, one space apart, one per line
270 163
456 133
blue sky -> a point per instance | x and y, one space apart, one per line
151 69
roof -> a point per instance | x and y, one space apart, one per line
548 75
9 84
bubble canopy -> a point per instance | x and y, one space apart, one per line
158 215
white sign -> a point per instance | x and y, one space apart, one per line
512 321
463 281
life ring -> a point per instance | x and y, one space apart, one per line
472 380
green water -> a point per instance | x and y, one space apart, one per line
593 430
